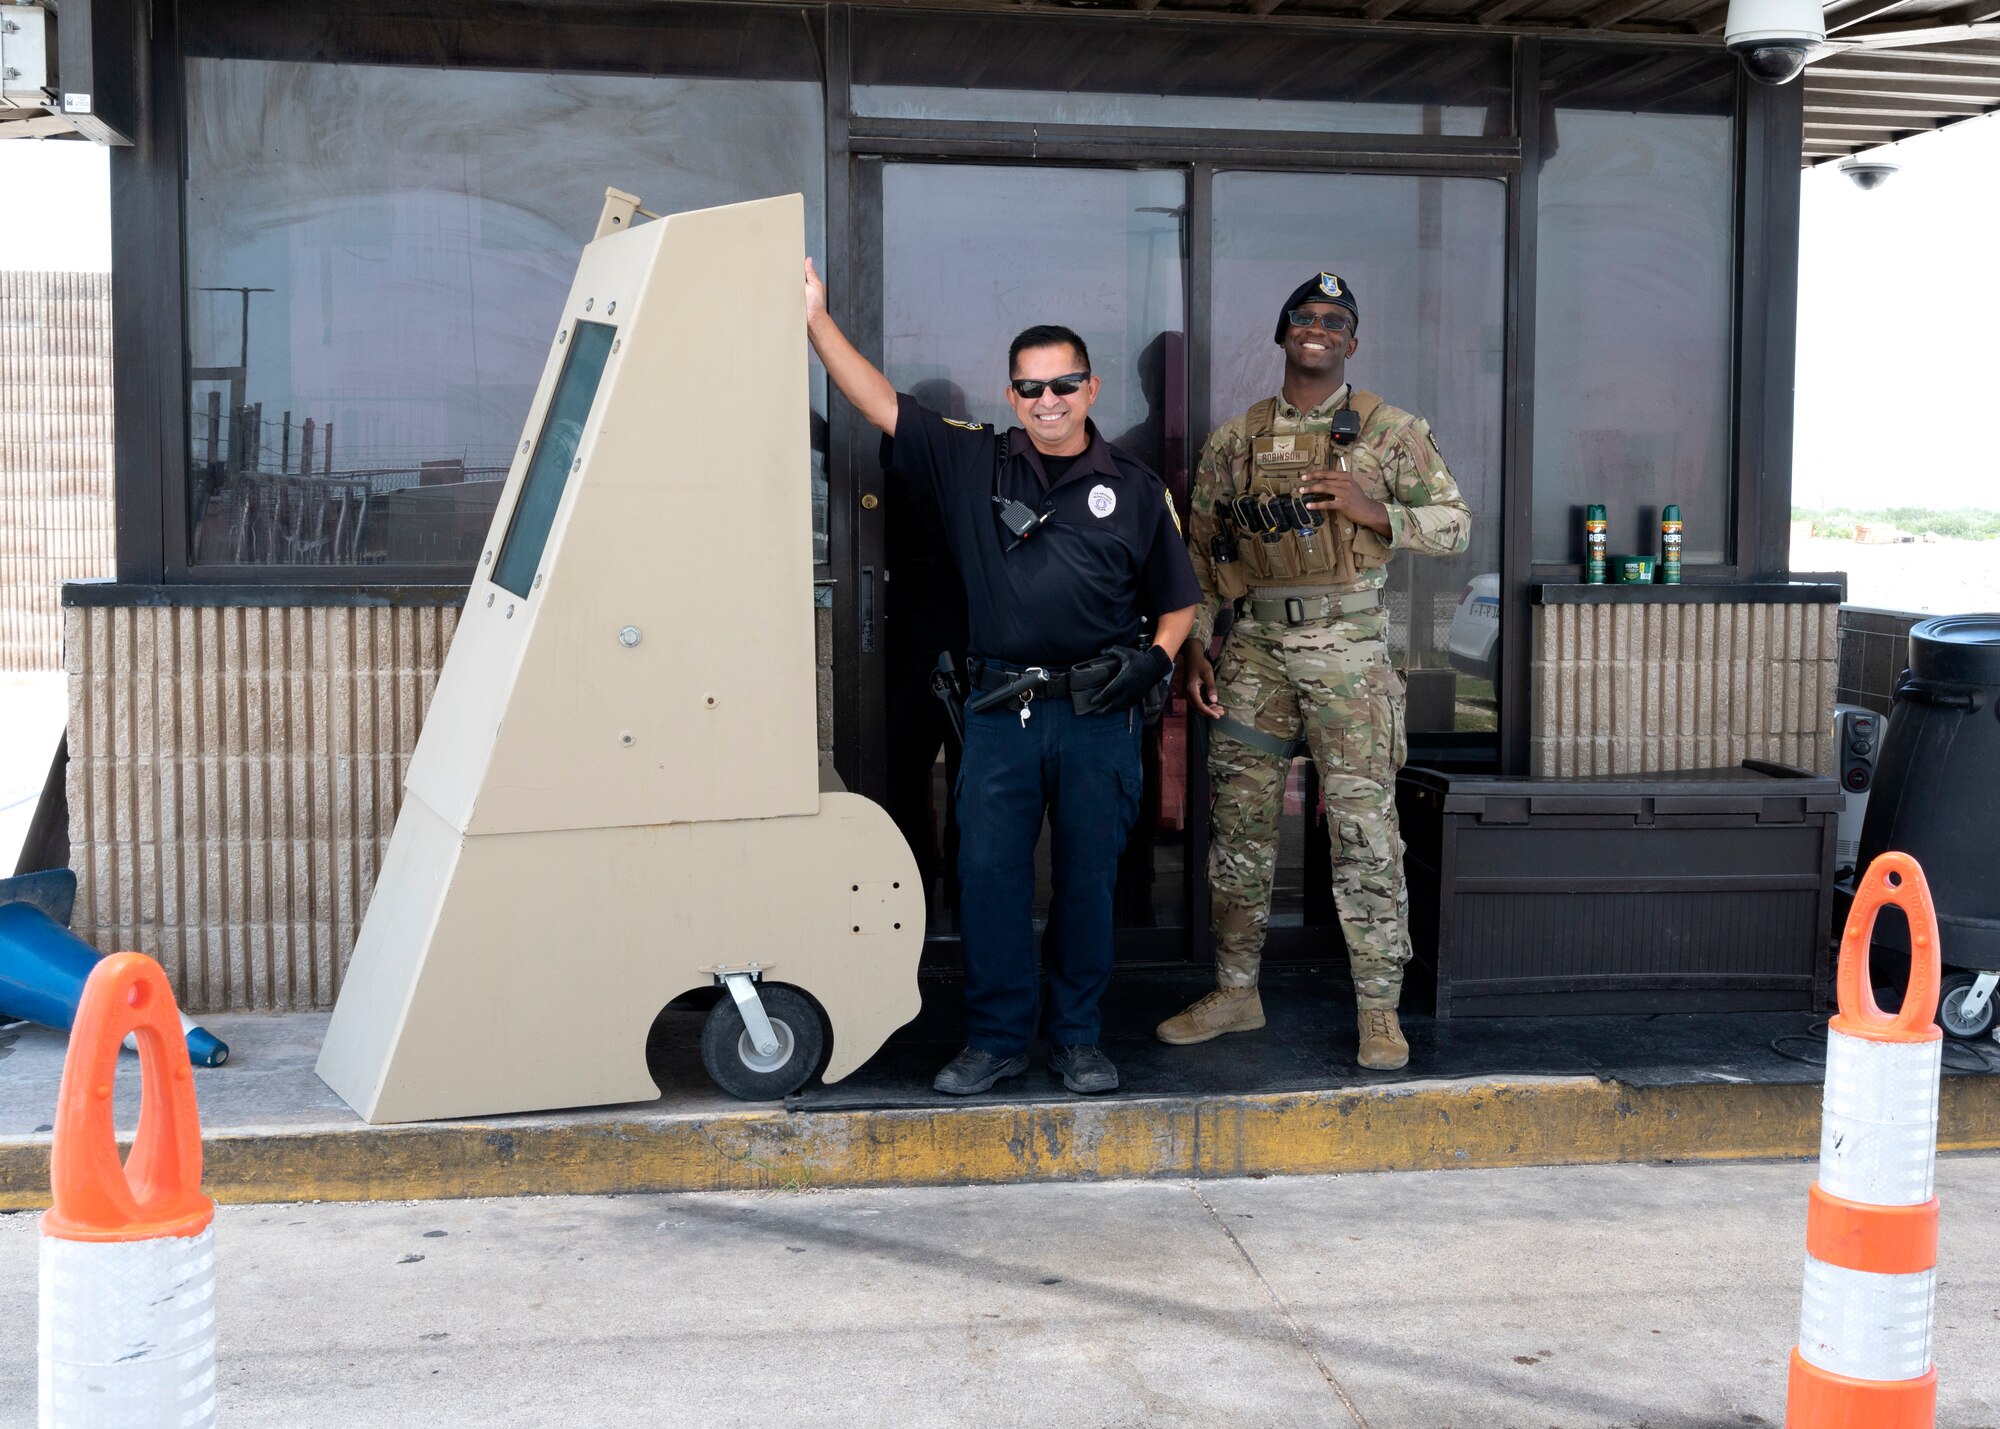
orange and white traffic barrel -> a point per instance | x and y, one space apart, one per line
128 1252
1864 1355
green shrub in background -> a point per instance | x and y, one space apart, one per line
1839 522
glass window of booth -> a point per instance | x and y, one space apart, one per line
1427 261
1634 282
972 255
1086 71
376 260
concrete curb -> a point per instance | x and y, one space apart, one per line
1553 1122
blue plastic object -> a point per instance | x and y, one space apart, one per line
205 1049
53 890
43 967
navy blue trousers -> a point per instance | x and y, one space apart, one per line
1083 771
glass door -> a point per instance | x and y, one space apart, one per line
1426 259
970 255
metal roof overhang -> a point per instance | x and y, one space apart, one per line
1889 69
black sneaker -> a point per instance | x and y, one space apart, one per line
974 1070
1084 1069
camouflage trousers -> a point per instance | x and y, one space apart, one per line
1330 683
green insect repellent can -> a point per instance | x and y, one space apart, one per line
1670 546
1596 545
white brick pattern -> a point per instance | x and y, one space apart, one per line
1625 689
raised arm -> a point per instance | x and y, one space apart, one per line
1428 514
858 379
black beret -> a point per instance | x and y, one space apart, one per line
1320 288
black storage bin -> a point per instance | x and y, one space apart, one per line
1705 890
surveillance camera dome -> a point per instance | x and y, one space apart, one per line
1868 173
1774 38
1773 63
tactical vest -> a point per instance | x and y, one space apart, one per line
1334 552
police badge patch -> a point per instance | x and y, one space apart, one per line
1329 284
1102 502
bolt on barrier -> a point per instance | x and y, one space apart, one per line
128 1252
1864 1354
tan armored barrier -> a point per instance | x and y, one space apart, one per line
616 796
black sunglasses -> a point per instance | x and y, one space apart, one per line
1028 389
1332 322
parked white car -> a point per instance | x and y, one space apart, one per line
1475 628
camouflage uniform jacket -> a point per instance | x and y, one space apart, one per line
1396 461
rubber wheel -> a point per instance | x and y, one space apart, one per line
732 1060
1952 993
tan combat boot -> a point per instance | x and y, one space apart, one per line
1382 1046
1227 1009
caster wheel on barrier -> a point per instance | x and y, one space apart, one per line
1952 993
736 1065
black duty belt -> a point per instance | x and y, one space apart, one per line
1000 686
1051 680
1085 684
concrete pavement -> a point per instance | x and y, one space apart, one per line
1568 1298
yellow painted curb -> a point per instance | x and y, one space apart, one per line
1424 1127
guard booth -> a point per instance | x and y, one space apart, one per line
1572 230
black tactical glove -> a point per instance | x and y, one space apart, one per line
1141 672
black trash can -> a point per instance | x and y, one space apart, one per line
1937 785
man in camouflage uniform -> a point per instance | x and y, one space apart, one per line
1306 664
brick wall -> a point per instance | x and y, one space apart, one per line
1629 688
234 776
55 453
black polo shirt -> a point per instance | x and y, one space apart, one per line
1109 557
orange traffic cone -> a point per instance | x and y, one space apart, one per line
128 1255
1864 1354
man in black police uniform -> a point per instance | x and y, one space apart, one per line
1067 547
